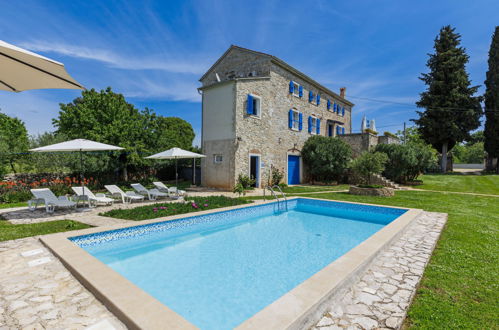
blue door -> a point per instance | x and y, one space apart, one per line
293 169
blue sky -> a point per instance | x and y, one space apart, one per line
154 52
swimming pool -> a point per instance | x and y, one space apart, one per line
218 270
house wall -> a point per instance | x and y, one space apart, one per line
218 136
238 64
360 142
270 135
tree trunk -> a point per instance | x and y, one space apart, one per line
125 173
443 163
12 167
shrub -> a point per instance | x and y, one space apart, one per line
276 176
239 189
245 181
326 158
406 161
368 164
390 134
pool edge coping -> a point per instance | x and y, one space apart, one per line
139 310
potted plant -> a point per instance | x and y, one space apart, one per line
365 166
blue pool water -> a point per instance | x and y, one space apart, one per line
220 269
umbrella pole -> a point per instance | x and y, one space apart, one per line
81 177
194 171
176 175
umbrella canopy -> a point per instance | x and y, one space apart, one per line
77 145
22 70
175 153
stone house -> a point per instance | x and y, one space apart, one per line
257 112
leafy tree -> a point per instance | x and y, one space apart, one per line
13 141
50 162
492 102
368 164
468 153
107 117
326 158
451 110
406 161
476 137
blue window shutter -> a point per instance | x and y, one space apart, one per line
318 99
310 96
300 121
300 91
309 124
343 111
318 126
338 128
291 87
290 119
328 104
334 107
249 106
343 130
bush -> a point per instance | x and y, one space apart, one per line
276 176
326 158
368 164
245 181
406 161
239 189
390 134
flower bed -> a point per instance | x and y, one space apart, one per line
194 204
19 191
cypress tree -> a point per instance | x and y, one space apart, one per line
451 110
491 132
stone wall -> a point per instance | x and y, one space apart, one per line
360 142
238 64
385 139
269 135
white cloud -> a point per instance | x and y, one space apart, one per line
111 58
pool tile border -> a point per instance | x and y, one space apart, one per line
295 310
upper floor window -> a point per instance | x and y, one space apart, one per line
217 159
253 105
295 120
314 125
295 89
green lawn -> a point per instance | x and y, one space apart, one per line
460 287
483 184
167 209
309 188
9 205
9 231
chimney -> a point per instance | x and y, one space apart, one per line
342 91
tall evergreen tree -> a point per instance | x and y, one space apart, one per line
492 103
451 110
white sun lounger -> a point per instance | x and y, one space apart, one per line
50 200
152 194
126 197
169 190
91 198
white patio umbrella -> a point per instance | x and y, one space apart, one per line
22 70
80 145
176 153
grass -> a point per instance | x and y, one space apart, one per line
306 188
9 205
459 289
167 209
482 184
9 231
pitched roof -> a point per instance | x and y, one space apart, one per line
279 62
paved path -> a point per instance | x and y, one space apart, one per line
382 295
37 292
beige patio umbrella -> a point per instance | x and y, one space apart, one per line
22 70
176 153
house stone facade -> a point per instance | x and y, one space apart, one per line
256 113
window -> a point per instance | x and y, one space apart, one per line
295 120
311 96
253 105
295 89
314 125
217 159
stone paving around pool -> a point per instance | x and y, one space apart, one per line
382 295
37 292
